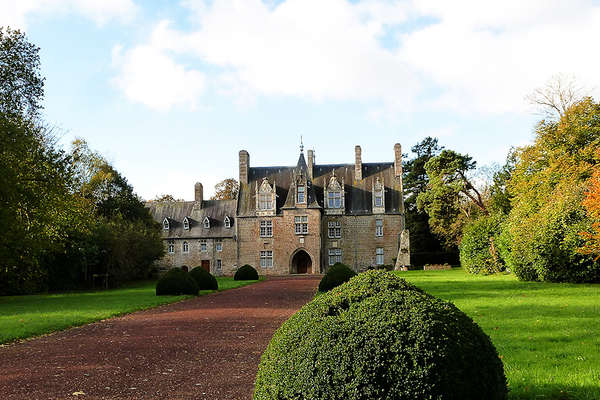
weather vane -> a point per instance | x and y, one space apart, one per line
301 145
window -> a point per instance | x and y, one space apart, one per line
227 222
171 246
334 229
335 256
186 247
203 245
379 199
266 196
301 224
219 245
379 227
206 222
265 201
266 259
301 193
379 256
186 223
166 224
378 196
335 199
266 228
218 265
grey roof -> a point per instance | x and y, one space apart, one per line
176 211
358 194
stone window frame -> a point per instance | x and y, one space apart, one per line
203 245
266 258
218 245
171 247
379 227
301 194
266 228
334 255
266 198
185 247
218 265
186 223
334 229
301 224
379 256
378 197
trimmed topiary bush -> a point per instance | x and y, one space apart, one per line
379 337
337 274
204 279
176 282
246 273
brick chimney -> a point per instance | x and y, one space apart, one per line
397 159
198 192
357 163
311 163
244 166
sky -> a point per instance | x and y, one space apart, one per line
170 91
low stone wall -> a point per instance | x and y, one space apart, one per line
436 267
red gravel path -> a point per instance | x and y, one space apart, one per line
204 348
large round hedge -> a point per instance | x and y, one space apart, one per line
335 276
378 337
245 273
176 282
204 279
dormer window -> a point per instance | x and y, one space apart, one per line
227 222
378 197
206 222
334 196
186 223
166 225
301 194
265 198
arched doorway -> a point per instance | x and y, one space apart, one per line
301 263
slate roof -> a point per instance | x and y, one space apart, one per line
215 210
358 194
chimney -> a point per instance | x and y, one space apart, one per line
397 160
198 192
244 166
311 163
357 164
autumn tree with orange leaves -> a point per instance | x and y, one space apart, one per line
591 202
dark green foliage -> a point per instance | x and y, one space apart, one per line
335 276
479 245
176 282
246 273
204 279
379 337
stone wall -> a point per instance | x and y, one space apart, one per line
193 258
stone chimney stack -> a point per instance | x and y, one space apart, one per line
244 166
357 163
311 163
397 159
198 192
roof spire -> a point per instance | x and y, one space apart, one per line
301 145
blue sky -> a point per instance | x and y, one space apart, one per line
170 91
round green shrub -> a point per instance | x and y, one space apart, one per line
204 279
245 273
379 337
479 250
337 274
176 282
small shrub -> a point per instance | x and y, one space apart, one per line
204 279
176 282
335 276
379 337
245 273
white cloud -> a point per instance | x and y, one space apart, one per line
149 76
473 56
15 13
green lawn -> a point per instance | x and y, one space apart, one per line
547 334
26 316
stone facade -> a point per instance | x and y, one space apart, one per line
298 219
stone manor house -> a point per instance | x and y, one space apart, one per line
292 220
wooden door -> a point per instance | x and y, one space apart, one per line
206 265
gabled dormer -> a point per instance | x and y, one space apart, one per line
378 197
186 223
333 196
206 223
266 198
227 222
166 224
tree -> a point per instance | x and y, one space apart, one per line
591 202
451 199
21 84
168 198
227 189
557 96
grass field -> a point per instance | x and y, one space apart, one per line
26 316
547 334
